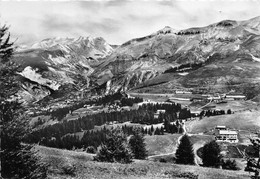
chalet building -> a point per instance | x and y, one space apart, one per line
183 92
196 98
222 134
180 98
195 113
156 115
209 107
235 96
217 128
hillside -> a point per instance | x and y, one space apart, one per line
86 168
218 57
58 64
244 121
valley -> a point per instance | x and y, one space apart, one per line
86 99
113 111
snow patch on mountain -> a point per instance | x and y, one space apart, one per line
58 60
62 76
32 75
236 47
255 58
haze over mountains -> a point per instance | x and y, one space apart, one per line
221 57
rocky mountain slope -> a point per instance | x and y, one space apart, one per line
54 63
220 57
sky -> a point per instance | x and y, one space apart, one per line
116 21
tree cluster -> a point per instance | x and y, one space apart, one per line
137 145
173 128
209 113
211 156
253 165
116 148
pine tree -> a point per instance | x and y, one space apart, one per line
253 165
5 45
184 153
145 131
157 131
229 111
137 145
162 130
18 160
149 132
211 156
114 148
152 129
229 164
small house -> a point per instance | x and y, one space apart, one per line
197 98
156 114
236 96
182 92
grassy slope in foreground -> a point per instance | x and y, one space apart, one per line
85 168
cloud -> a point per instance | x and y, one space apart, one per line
117 21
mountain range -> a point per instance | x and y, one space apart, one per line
220 57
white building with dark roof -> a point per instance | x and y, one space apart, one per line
222 134
236 96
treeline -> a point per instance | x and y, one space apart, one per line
73 141
173 128
61 134
142 116
209 113
94 138
90 138
192 32
169 108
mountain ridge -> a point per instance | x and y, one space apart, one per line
216 57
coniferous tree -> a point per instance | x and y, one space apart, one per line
184 153
229 111
18 160
211 156
253 165
137 145
145 131
114 148
229 164
152 129
149 132
157 131
162 131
